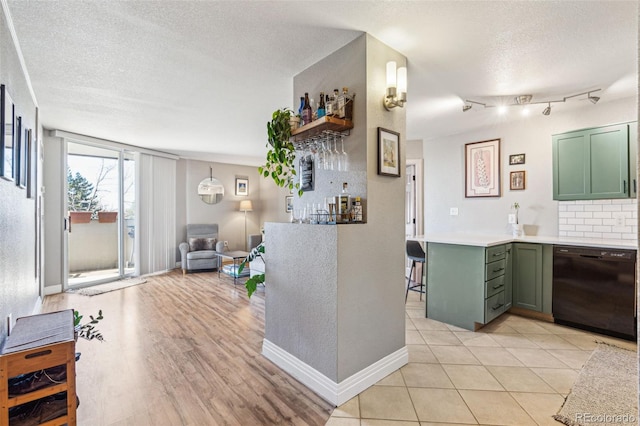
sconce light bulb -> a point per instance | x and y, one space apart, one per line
391 74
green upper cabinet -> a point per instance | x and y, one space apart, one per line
633 154
592 164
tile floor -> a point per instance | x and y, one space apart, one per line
514 371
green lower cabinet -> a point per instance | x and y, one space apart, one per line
527 276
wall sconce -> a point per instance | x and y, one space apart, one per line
396 86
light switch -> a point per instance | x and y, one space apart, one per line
453 211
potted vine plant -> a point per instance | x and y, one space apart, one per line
252 283
280 164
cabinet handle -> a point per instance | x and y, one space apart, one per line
635 189
498 270
497 254
497 286
624 186
497 307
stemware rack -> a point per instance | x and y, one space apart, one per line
321 127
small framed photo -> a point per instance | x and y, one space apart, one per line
516 159
288 203
242 186
388 152
517 180
482 169
7 134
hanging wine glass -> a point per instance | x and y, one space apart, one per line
336 153
344 156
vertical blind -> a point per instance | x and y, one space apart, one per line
156 212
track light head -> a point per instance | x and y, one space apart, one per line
547 110
466 107
594 99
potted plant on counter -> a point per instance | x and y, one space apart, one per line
280 164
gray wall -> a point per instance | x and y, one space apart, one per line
444 170
19 288
191 209
363 267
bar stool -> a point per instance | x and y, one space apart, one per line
416 254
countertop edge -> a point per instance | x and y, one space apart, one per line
494 240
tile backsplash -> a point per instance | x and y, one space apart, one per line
606 219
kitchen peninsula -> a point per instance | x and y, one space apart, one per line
472 279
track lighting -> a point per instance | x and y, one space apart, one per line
526 100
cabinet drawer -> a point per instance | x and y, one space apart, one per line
495 269
496 253
493 307
494 286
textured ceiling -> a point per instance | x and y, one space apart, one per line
201 78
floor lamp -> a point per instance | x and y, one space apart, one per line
245 206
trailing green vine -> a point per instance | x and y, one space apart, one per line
280 165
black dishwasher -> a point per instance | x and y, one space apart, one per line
595 289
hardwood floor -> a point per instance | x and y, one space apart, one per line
183 351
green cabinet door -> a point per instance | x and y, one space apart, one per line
591 164
633 160
527 276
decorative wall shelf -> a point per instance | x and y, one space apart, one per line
321 126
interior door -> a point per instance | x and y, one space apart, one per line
410 208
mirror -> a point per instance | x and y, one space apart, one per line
211 190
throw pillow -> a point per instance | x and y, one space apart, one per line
197 244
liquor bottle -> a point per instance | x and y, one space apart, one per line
307 112
334 101
343 205
301 106
356 210
321 106
345 105
328 105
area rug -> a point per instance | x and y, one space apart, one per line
605 391
105 288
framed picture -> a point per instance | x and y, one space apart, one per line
7 134
288 203
517 180
516 159
388 152
17 155
482 169
32 164
23 161
242 186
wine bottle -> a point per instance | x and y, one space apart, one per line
301 106
328 105
307 112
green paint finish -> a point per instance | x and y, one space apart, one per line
547 278
495 253
591 164
508 277
527 276
456 284
633 160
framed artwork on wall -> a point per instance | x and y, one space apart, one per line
517 180
516 159
242 186
23 163
388 152
17 155
482 169
7 134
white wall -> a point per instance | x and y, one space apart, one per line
444 170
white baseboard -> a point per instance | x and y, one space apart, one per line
52 289
335 393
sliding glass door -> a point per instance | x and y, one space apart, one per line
101 214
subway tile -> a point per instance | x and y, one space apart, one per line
567 215
593 234
584 201
563 221
562 208
633 236
566 203
608 222
593 222
601 201
575 221
601 229
567 227
575 234
562 233
622 201
602 215
621 229
612 208
584 228
593 208
612 236
622 214
629 208
576 208
584 215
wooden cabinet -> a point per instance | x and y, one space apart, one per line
468 286
592 164
36 343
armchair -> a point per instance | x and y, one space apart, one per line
198 253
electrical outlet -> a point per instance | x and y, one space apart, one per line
453 211
512 218
619 218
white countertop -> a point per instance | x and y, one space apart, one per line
497 239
